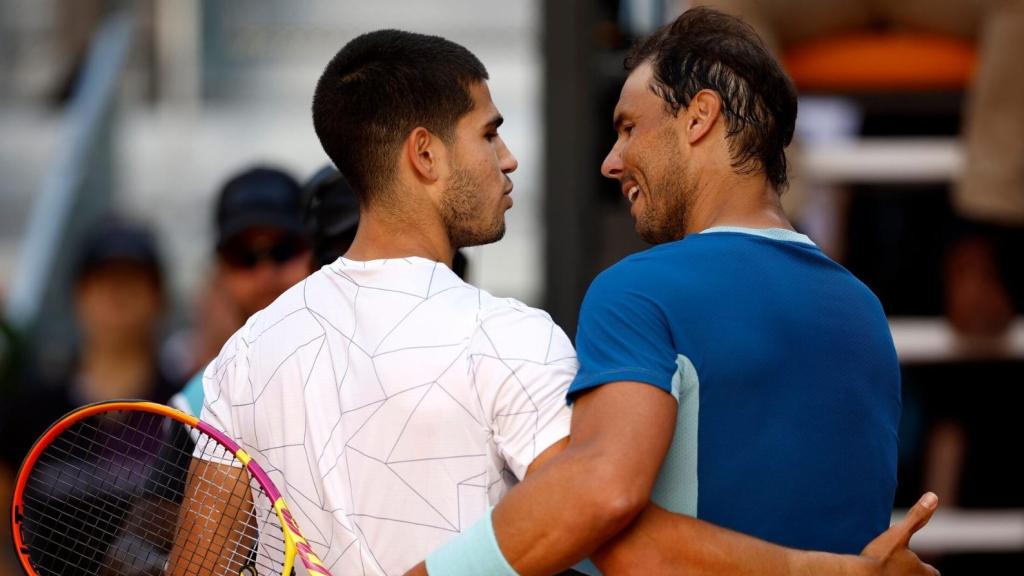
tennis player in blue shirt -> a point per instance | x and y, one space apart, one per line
732 373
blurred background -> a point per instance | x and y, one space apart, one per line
124 123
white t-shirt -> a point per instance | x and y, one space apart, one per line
392 404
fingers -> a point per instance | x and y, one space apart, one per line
919 515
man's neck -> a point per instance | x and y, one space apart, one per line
737 200
385 234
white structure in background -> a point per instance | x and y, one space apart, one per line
174 157
173 154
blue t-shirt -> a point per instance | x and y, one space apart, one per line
786 376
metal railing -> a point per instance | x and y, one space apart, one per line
78 186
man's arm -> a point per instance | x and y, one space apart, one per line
660 542
594 488
215 531
590 491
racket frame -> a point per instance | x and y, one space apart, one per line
295 543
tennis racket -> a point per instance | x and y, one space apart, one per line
113 489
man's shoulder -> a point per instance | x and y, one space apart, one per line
645 274
513 329
510 313
294 312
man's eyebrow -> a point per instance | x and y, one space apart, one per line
617 120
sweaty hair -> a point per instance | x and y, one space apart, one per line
706 49
381 86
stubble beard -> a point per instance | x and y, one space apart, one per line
462 209
666 211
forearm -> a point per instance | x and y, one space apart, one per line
660 542
581 497
214 532
562 514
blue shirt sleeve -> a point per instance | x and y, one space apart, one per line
623 333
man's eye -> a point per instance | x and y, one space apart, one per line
491 136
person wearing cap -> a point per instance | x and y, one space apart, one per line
265 221
262 249
118 299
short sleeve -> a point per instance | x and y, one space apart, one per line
227 371
522 364
623 333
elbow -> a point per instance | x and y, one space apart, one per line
615 498
622 505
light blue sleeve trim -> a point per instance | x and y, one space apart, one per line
780 234
473 552
677 486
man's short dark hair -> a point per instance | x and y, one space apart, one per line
381 86
706 49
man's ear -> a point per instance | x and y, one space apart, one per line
700 116
425 153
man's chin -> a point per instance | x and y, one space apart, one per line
480 239
653 235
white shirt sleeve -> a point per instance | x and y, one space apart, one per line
220 378
522 364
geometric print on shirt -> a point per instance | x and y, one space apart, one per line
392 403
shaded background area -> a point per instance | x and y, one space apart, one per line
145 108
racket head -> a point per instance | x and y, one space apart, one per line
110 487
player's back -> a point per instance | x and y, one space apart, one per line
789 389
393 403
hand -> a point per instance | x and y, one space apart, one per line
891 551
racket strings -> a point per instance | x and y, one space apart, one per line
69 467
108 497
246 521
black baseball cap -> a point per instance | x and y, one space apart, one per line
114 239
259 197
332 214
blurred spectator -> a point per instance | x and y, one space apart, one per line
118 303
990 197
261 251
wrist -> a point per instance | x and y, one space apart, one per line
475 551
803 563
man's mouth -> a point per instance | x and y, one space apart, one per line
632 192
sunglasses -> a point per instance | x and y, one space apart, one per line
242 255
